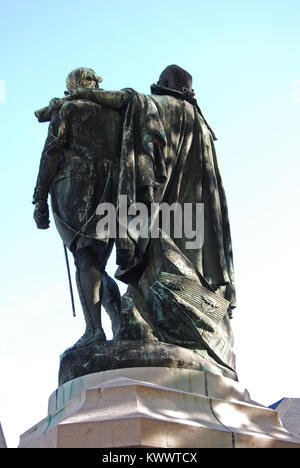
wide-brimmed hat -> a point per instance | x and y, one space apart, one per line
175 77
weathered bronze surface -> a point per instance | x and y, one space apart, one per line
123 354
158 148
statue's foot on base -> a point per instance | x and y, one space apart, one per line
90 338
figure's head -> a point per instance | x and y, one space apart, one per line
175 77
83 78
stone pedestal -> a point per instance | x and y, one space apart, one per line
156 407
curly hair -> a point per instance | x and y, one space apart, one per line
76 78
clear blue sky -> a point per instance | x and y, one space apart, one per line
245 60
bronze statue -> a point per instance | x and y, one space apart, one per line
79 167
161 151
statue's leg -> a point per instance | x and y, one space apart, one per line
110 293
111 301
88 278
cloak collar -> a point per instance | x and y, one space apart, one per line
184 96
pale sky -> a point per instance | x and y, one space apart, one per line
245 61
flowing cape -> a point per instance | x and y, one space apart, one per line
179 144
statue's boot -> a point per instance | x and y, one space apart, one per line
111 301
88 279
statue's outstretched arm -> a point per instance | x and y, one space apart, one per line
114 99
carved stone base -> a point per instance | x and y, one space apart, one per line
79 361
156 407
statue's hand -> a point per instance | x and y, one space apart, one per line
41 215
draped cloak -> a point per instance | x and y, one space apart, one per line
179 144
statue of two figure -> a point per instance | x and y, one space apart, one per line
145 157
